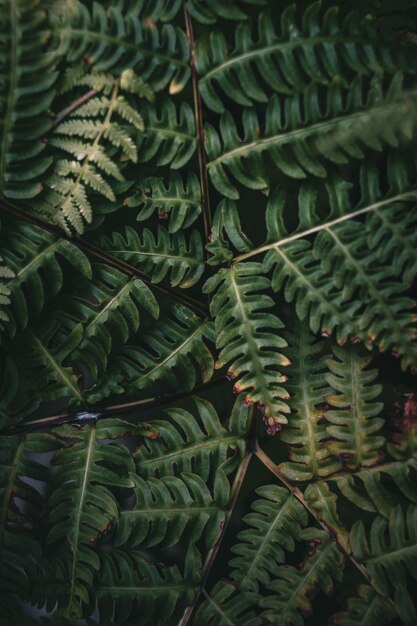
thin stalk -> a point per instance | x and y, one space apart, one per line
205 195
327 225
234 494
105 257
73 107
264 458
96 412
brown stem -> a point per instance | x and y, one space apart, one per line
97 412
205 196
105 257
234 494
72 107
264 458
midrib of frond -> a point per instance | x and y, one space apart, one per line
9 490
11 93
57 368
115 42
172 354
303 356
218 609
142 588
375 469
265 540
280 46
392 553
172 200
75 542
169 132
189 259
320 129
212 443
91 149
402 197
171 510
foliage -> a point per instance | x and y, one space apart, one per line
201 200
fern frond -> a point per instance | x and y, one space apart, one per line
306 434
87 144
16 399
170 135
293 587
179 200
109 308
6 274
246 338
367 608
170 507
344 265
21 503
165 355
188 445
81 505
160 255
225 605
115 39
275 525
36 257
129 586
209 11
391 553
354 414
377 489
300 137
289 57
323 502
27 77
42 353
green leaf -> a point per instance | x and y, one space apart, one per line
225 605
246 338
275 525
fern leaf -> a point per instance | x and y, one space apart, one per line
115 39
93 137
293 588
321 500
367 608
27 77
246 339
109 308
130 586
160 256
300 144
274 526
372 489
288 58
16 398
179 199
225 606
186 446
81 505
170 135
391 553
35 258
354 421
42 353
163 356
328 288
169 507
306 434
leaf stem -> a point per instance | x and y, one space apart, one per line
234 494
105 257
273 468
72 107
205 196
